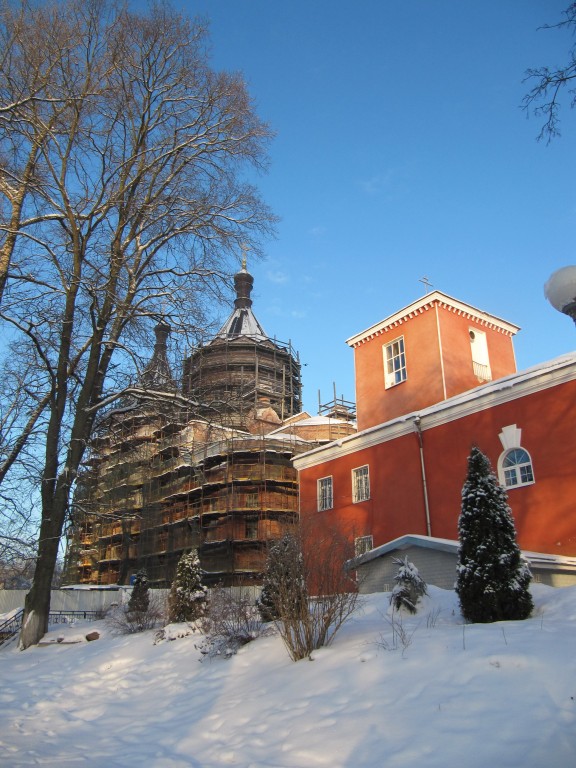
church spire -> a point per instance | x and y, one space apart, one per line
157 374
242 321
243 284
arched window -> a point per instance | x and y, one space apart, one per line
516 468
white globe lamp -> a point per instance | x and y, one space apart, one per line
560 290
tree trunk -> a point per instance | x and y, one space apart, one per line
37 605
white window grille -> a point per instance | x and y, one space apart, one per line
360 484
394 363
325 494
516 468
362 545
480 359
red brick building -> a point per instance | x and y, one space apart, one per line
433 380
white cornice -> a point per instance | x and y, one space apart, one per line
423 305
547 375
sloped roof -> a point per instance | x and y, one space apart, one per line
541 559
242 322
427 302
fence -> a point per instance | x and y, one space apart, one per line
65 599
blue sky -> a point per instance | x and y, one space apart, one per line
402 152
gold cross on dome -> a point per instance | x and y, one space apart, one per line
245 248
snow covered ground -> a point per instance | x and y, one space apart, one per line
450 696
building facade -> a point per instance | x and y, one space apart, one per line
433 380
205 465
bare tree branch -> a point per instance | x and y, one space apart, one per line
544 98
137 155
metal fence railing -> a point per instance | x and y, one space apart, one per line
13 624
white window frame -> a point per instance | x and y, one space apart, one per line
363 544
325 493
518 474
361 484
394 362
480 357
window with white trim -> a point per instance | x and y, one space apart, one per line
480 358
325 493
394 363
360 484
363 544
515 468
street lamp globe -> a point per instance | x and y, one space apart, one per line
560 290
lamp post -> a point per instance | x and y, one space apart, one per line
560 290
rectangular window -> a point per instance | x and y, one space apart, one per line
251 529
251 500
362 545
480 359
325 495
360 484
394 363
526 475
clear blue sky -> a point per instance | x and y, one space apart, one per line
402 152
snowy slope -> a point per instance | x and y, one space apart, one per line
476 696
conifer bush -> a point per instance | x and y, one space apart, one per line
492 579
140 598
188 596
144 611
409 587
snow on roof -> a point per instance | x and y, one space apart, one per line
506 382
404 542
480 398
541 559
93 587
311 421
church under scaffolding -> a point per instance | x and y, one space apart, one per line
209 468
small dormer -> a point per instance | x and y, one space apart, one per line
433 349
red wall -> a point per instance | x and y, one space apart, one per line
457 353
438 364
374 403
544 513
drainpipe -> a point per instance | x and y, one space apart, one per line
418 430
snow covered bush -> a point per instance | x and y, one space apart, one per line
409 587
493 580
144 610
188 596
232 620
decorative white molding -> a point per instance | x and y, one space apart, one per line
423 305
510 437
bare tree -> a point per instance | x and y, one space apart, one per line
312 593
35 95
549 84
21 426
139 203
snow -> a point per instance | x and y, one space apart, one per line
450 695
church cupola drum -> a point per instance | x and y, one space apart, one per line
242 370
